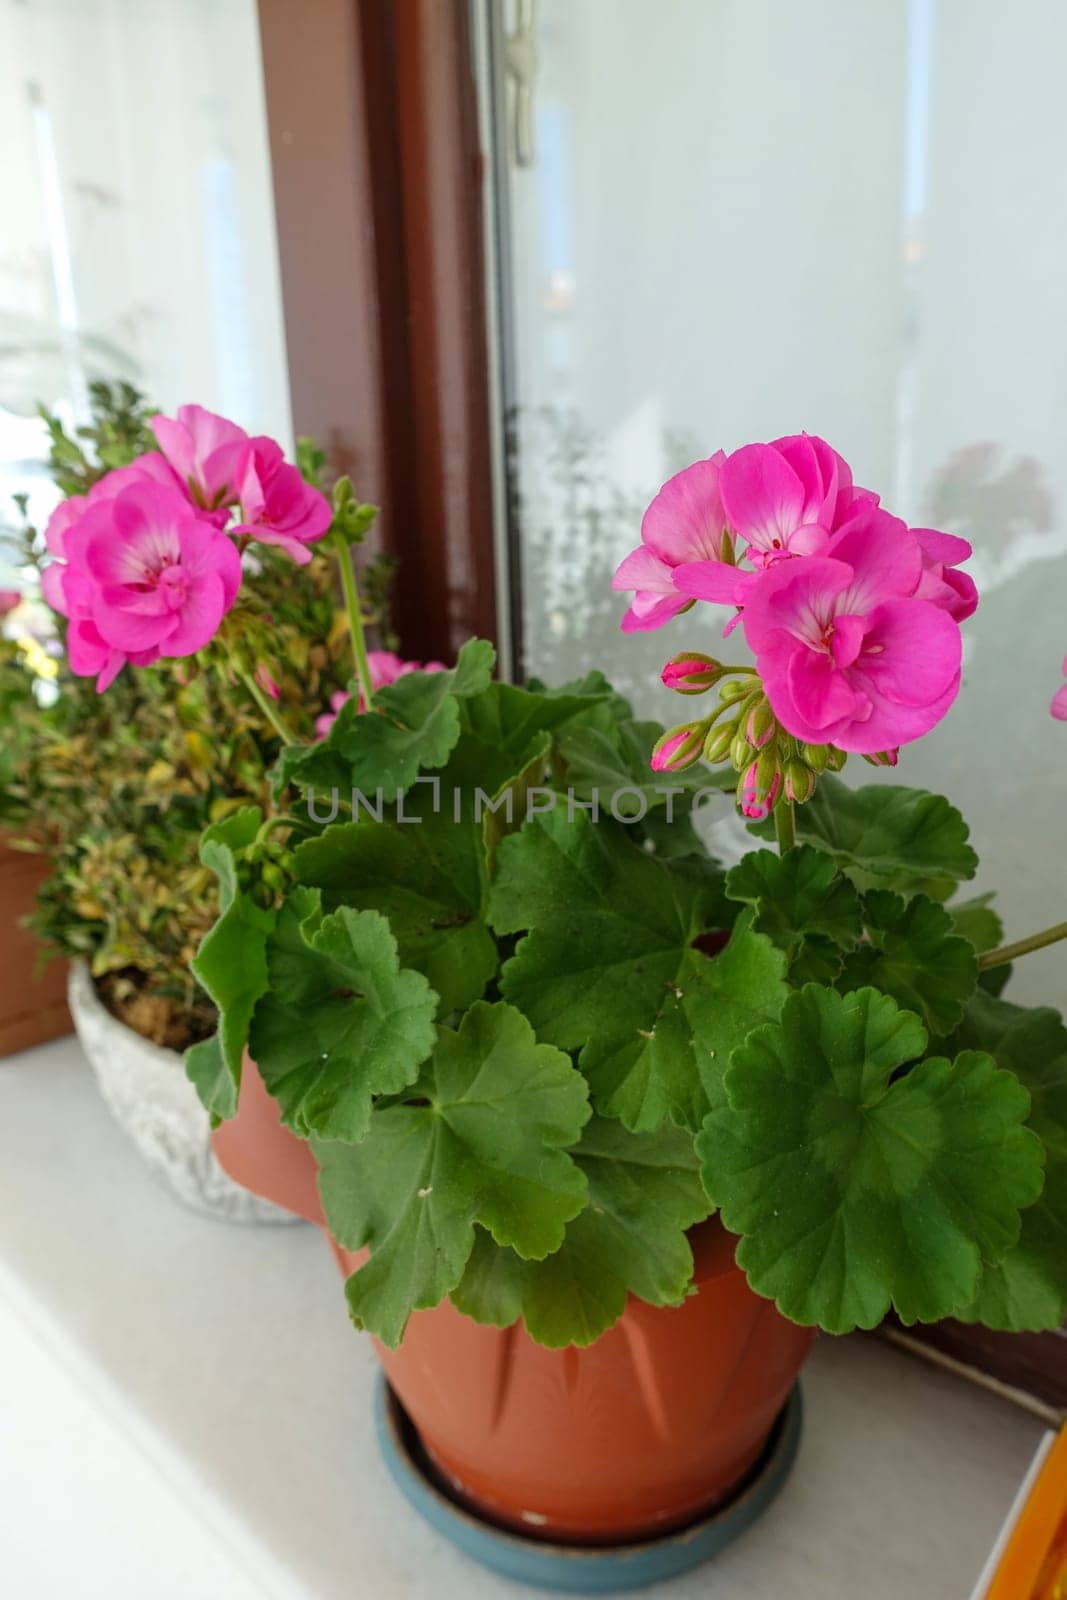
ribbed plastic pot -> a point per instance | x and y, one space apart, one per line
660 1420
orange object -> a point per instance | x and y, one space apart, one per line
33 1008
659 1420
1034 1563
262 1155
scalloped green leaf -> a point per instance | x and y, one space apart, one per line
413 727
481 1139
912 953
427 875
608 965
1026 1290
342 1022
209 1073
644 1193
855 1188
231 963
884 835
803 903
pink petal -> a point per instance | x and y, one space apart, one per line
887 725
762 495
911 654
686 520
199 617
649 611
846 639
52 586
797 596
885 558
820 694
1059 702
642 569
943 547
716 581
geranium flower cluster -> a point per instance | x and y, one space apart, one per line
853 617
148 563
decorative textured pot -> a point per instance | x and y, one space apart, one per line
33 1006
660 1420
146 1090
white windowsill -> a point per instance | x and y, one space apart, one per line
186 1412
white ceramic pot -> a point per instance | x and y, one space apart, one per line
147 1092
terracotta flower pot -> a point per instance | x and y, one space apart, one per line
654 1424
660 1420
258 1152
33 1008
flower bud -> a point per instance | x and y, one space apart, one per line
760 727
741 752
679 747
884 758
718 742
737 688
799 781
691 672
835 759
757 800
816 756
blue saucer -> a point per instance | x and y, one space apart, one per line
575 1569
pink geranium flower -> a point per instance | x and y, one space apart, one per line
1059 699
207 452
385 668
847 654
146 577
685 523
277 506
149 468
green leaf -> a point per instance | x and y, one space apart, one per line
976 921
481 1139
912 954
342 1021
1026 1290
231 963
803 903
208 1072
644 1193
413 727
853 1188
608 965
427 876
887 836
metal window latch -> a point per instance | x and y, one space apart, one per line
520 61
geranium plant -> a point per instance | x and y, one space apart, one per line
116 789
534 1032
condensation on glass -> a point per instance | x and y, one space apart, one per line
744 219
137 232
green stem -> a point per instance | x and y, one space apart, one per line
263 701
785 825
1022 947
355 618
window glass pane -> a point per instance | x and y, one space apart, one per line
137 235
744 219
